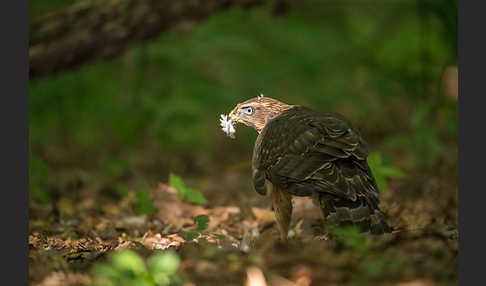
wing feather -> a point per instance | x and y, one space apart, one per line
304 151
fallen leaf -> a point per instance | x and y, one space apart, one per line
416 283
263 216
59 278
255 277
158 241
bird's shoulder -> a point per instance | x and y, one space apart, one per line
301 130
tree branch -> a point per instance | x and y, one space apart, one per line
93 30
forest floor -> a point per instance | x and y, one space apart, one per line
240 242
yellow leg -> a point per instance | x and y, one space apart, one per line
282 206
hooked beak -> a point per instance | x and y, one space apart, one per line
233 116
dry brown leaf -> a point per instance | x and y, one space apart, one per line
158 241
173 210
66 207
59 278
450 82
302 275
263 216
255 277
33 240
179 214
219 214
124 245
303 207
276 280
416 283
204 266
132 221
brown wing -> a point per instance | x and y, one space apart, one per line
303 151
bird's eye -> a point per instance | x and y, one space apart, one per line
248 110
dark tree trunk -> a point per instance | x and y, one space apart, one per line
92 30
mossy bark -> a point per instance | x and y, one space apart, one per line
92 30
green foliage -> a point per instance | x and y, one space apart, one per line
381 171
38 7
423 138
116 166
163 267
195 196
375 267
128 268
369 263
351 237
369 269
177 183
190 235
122 189
168 93
191 195
144 205
202 222
39 179
218 59
219 236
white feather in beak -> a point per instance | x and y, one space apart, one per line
227 125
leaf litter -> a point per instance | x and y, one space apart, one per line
423 251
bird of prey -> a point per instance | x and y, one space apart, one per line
303 152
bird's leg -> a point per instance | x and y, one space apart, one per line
282 206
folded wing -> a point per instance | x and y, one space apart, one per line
303 151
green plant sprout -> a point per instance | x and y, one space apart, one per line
191 195
382 171
128 268
144 205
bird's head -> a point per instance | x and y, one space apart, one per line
257 111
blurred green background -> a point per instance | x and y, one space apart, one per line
389 66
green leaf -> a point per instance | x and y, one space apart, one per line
122 189
144 204
420 114
128 261
221 237
106 270
381 171
192 195
40 194
116 166
375 266
392 172
189 235
380 181
201 221
195 196
39 179
164 262
177 183
351 237
374 160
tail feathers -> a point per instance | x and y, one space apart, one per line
361 213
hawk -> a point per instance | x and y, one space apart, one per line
303 152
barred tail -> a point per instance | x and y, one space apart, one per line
362 213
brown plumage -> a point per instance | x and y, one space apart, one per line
302 152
